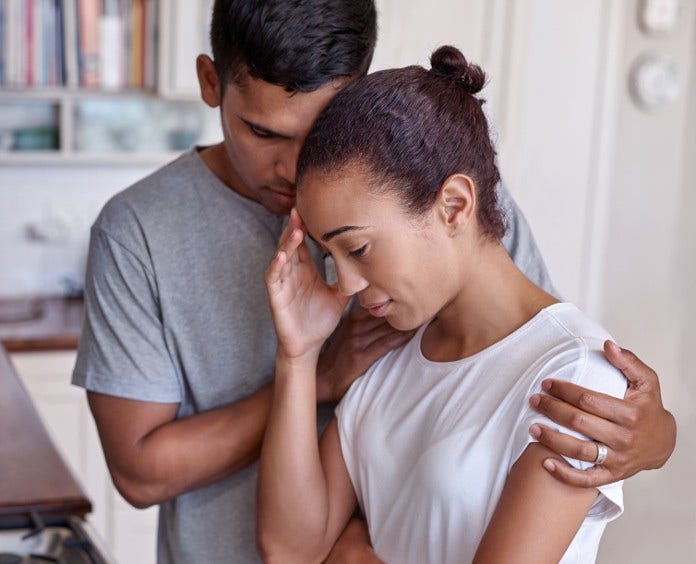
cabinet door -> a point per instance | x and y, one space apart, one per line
130 534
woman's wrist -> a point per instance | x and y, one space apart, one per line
304 361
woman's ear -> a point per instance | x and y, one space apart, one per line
208 81
457 202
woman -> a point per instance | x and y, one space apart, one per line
397 182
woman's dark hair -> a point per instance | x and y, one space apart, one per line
298 44
411 129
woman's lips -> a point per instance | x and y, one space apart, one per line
378 310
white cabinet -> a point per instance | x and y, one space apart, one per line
129 533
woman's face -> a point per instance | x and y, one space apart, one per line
397 264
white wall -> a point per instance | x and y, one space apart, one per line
60 202
608 189
645 286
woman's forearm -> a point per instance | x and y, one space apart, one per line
292 491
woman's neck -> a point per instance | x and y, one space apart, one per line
495 300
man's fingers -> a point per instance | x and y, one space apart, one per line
640 375
590 478
565 445
566 415
583 400
388 342
360 323
379 348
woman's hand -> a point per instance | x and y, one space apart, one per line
305 308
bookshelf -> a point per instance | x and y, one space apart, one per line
105 81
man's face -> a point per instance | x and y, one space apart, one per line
264 127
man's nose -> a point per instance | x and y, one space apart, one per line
286 163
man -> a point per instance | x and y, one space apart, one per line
178 347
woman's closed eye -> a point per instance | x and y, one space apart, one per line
357 253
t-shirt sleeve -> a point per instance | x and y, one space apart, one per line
520 244
122 350
587 367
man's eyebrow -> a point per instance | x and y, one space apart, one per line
331 234
263 129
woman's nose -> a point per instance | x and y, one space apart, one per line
350 281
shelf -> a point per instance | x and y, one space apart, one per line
52 93
72 125
65 158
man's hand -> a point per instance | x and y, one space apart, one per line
638 432
356 344
353 546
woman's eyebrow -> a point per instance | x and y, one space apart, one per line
331 234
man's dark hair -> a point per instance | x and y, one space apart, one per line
300 45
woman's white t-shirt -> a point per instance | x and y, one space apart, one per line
428 445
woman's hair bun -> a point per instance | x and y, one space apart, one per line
449 61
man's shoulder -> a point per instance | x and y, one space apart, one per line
149 195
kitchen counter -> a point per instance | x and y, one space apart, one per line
33 476
40 323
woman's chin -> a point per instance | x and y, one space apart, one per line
401 324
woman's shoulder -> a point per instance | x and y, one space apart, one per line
578 354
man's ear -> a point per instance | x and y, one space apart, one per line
457 202
208 81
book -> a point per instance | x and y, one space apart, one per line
150 48
108 44
88 15
15 59
111 47
137 33
3 46
57 56
71 72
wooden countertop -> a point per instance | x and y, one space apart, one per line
40 323
33 476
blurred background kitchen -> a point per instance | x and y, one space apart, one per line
593 106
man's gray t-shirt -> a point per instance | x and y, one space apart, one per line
176 312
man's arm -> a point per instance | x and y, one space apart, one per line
152 456
638 430
520 244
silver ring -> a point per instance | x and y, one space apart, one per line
601 453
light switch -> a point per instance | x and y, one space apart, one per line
659 16
655 82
